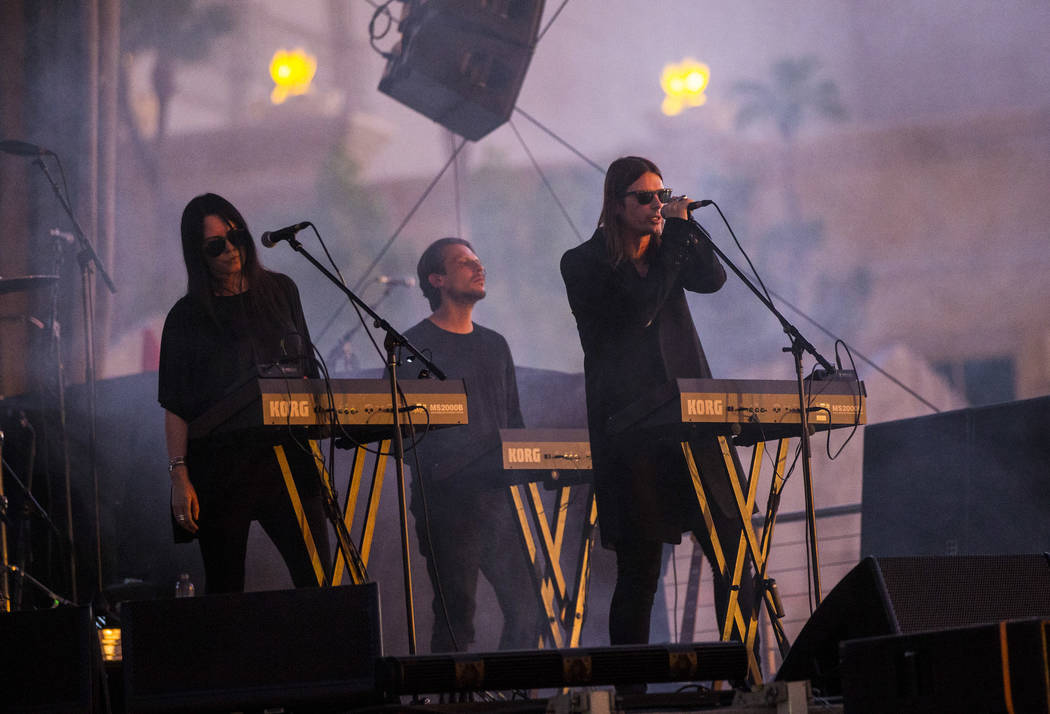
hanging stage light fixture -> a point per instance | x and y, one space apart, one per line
462 62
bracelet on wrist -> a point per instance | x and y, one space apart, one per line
176 462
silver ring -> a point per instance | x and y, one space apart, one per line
180 518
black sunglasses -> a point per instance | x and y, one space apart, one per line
214 247
646 197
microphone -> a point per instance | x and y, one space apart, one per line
693 205
272 238
22 148
387 280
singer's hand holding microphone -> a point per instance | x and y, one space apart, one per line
681 207
679 246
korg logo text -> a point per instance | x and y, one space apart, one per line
522 455
704 407
282 409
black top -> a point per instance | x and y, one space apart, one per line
201 358
469 453
637 333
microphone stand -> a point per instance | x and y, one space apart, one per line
393 342
799 345
334 355
87 257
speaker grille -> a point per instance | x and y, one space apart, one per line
936 593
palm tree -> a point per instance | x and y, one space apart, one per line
177 31
795 91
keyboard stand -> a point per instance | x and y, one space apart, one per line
357 563
564 608
353 490
735 627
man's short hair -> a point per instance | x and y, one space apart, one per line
433 261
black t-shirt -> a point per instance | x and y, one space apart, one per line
470 453
201 359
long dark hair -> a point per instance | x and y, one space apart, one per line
199 281
620 174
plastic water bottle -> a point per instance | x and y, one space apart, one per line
184 586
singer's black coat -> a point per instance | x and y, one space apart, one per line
637 333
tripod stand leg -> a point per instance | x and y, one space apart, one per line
5 591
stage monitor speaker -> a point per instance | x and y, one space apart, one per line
287 648
965 482
49 660
463 73
889 596
987 668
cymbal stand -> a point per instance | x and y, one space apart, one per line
23 528
54 349
393 342
89 262
18 569
23 575
5 590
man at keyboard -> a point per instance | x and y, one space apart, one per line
462 508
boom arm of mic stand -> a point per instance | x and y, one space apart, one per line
377 320
86 248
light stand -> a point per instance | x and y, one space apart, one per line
392 343
799 345
87 257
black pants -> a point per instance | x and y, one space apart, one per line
638 574
475 530
245 485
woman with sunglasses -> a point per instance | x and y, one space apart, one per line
626 287
237 322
